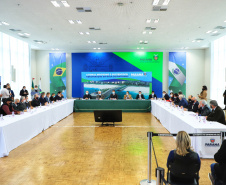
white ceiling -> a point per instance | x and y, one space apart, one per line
121 26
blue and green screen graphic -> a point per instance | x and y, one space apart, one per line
121 82
117 62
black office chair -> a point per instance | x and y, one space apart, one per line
183 174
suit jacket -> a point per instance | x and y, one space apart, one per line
100 96
166 96
22 93
152 96
19 107
194 107
87 96
183 103
142 96
217 115
176 101
42 100
220 166
114 96
125 97
58 98
224 97
35 103
47 99
205 111
52 98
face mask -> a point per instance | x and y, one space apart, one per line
127 94
153 94
113 92
99 93
172 96
86 93
36 88
163 94
24 89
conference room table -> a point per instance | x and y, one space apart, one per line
18 129
174 119
124 105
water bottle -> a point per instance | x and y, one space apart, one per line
1 116
13 114
40 104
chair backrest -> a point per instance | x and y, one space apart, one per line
185 172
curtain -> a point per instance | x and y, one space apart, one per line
14 63
218 67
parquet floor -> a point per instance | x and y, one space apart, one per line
77 151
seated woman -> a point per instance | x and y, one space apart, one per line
171 97
183 156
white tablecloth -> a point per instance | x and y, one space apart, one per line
175 120
19 129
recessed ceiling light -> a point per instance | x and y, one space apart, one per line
194 41
79 22
215 31
94 48
89 42
209 31
55 4
156 20
98 48
71 21
81 33
155 2
146 42
225 21
138 48
52 49
198 40
144 32
21 34
166 2
65 3
87 33
150 32
27 34
94 42
5 23
148 20
141 41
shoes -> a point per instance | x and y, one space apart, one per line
211 178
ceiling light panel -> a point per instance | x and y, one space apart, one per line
155 2
56 4
65 3
148 20
156 20
166 2
71 21
79 22
5 23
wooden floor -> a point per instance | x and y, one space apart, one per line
77 151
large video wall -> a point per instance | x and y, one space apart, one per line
148 64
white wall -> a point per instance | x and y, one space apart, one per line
198 70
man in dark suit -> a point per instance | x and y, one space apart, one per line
100 96
52 98
24 92
224 99
183 102
165 96
176 99
217 113
113 96
35 102
140 96
194 105
42 99
190 102
19 106
152 95
218 170
203 108
58 97
47 98
87 96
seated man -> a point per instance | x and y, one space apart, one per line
7 108
127 96
218 170
176 99
113 96
140 96
42 99
58 97
35 102
171 97
165 96
87 96
183 102
194 106
190 102
217 113
52 98
18 106
203 108
47 98
27 103
152 95
100 96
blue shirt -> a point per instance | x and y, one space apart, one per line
183 103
